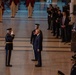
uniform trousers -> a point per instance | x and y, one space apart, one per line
8 57
30 10
17 7
49 22
0 14
13 9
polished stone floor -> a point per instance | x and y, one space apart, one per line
55 55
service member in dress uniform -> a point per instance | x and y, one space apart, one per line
30 6
73 69
1 10
13 7
9 46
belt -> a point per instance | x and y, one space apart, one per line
9 42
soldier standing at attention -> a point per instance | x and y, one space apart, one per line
13 7
9 46
30 6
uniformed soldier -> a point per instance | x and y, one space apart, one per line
1 9
30 6
9 46
73 69
13 7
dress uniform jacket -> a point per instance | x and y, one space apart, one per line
9 42
30 1
73 70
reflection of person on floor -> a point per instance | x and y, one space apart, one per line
1 9
30 6
13 6
73 69
9 46
38 47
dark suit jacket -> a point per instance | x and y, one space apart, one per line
66 22
9 38
33 36
38 42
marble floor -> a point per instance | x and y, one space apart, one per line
55 55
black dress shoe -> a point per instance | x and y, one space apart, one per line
38 66
62 41
6 65
52 32
48 29
34 60
30 17
56 36
12 17
9 65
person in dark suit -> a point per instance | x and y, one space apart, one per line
38 47
58 23
64 27
54 20
32 40
49 11
9 46
73 69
